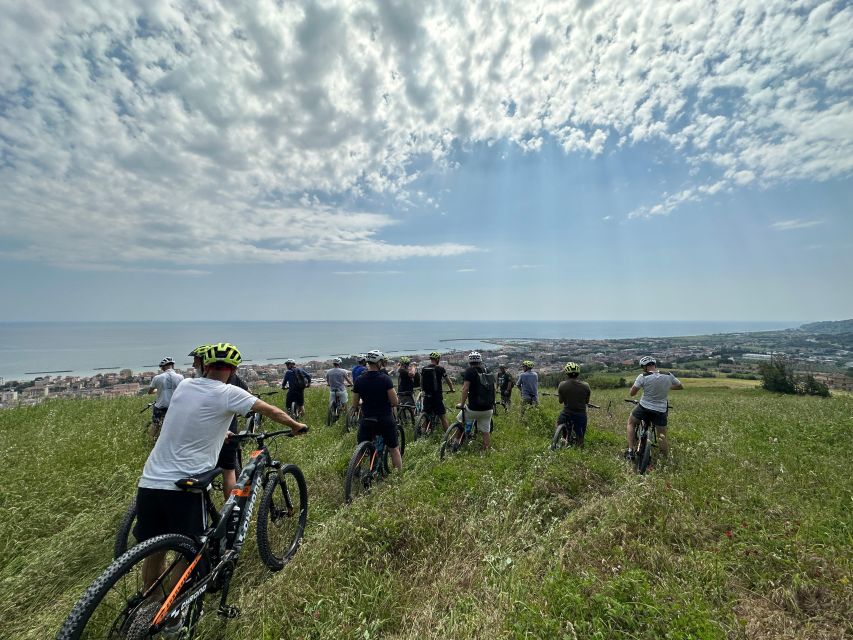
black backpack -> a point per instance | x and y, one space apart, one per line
430 382
482 394
302 379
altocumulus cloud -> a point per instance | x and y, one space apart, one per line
207 132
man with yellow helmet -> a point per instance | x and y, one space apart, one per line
574 395
200 412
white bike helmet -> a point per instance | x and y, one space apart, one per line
290 361
475 356
166 361
375 356
336 360
647 360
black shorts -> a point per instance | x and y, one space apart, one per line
657 418
434 405
158 413
160 511
295 395
384 426
228 455
506 396
576 421
406 397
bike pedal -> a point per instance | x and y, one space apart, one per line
228 612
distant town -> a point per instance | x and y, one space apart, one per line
823 349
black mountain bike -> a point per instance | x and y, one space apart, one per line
565 437
131 604
406 415
124 536
426 424
336 409
458 435
646 435
353 419
369 464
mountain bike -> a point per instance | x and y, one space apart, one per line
213 503
353 419
406 415
121 603
156 423
335 410
564 436
369 464
426 424
458 435
646 435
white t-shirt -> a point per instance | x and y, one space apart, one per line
193 431
655 388
336 378
165 383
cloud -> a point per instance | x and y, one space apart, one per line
790 225
526 266
465 270
257 131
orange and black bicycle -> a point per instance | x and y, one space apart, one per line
156 588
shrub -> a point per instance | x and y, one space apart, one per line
811 386
778 375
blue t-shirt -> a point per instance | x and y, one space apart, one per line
372 387
357 370
528 384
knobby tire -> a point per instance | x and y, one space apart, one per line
283 509
359 464
124 536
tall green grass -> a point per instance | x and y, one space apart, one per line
744 533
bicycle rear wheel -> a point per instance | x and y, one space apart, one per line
454 438
124 536
643 455
118 601
561 438
282 516
359 476
421 426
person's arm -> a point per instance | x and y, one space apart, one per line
276 414
676 383
465 387
355 400
448 381
392 397
348 380
151 390
634 390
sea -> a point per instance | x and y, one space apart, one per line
32 349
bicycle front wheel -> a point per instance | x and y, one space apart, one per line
119 601
421 427
282 516
644 454
360 471
561 438
124 537
352 420
454 438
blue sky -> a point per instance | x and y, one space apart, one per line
398 160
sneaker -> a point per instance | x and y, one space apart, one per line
629 455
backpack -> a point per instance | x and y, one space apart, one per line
302 379
430 382
482 394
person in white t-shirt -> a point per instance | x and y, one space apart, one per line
653 405
200 412
164 385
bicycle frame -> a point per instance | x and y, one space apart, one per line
218 545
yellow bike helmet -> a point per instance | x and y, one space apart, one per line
435 355
405 360
224 353
199 351
572 367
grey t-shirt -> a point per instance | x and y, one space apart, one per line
193 431
165 383
655 388
336 378
528 384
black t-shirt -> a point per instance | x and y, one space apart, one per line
432 376
472 376
505 381
237 381
405 381
372 387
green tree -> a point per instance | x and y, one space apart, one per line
778 375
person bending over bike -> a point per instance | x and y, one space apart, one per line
406 381
296 379
376 392
574 395
505 384
433 376
528 384
193 432
338 380
478 397
653 404
230 452
164 384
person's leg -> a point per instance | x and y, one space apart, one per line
396 458
663 441
632 437
484 421
229 481
579 425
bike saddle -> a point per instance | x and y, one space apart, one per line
198 481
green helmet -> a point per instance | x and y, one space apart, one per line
405 360
199 351
528 364
572 367
224 353
435 355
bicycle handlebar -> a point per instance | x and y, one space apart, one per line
146 407
668 405
287 433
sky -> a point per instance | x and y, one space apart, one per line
579 160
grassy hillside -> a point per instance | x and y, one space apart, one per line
746 533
